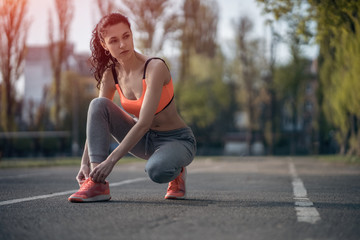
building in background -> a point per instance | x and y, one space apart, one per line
37 78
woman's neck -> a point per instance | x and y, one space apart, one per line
131 64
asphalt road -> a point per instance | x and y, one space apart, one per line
231 198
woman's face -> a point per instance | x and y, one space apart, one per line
118 41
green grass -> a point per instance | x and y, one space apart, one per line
51 162
340 159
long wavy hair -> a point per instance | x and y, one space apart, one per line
99 60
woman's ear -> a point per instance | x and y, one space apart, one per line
103 45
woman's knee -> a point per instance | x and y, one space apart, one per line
98 104
158 174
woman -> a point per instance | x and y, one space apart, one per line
156 133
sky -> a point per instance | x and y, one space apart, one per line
86 16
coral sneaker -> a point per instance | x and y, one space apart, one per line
91 191
176 188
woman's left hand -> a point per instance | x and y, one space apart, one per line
102 171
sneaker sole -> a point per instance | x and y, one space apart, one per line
100 198
172 197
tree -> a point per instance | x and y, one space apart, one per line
290 82
287 88
248 59
339 42
337 33
154 22
270 118
14 26
59 48
297 13
205 100
106 6
76 95
203 16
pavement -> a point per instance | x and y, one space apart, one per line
227 198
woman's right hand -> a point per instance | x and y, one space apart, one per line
83 174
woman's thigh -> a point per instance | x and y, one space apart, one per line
106 119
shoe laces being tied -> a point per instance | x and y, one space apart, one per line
87 185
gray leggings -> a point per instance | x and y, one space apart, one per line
166 151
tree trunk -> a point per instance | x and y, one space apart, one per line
57 98
358 138
293 132
7 115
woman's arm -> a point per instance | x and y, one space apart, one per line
158 75
107 90
107 86
85 160
84 167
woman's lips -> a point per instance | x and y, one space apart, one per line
124 52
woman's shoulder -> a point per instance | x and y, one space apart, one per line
109 74
157 71
156 65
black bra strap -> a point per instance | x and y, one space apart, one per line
114 74
166 105
147 62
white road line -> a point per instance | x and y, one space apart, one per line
13 201
116 184
305 210
19 200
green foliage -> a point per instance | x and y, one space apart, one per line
352 160
205 102
277 7
298 15
203 95
290 79
339 39
338 34
75 101
203 16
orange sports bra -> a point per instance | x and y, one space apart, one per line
134 106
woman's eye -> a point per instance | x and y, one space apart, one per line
126 36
